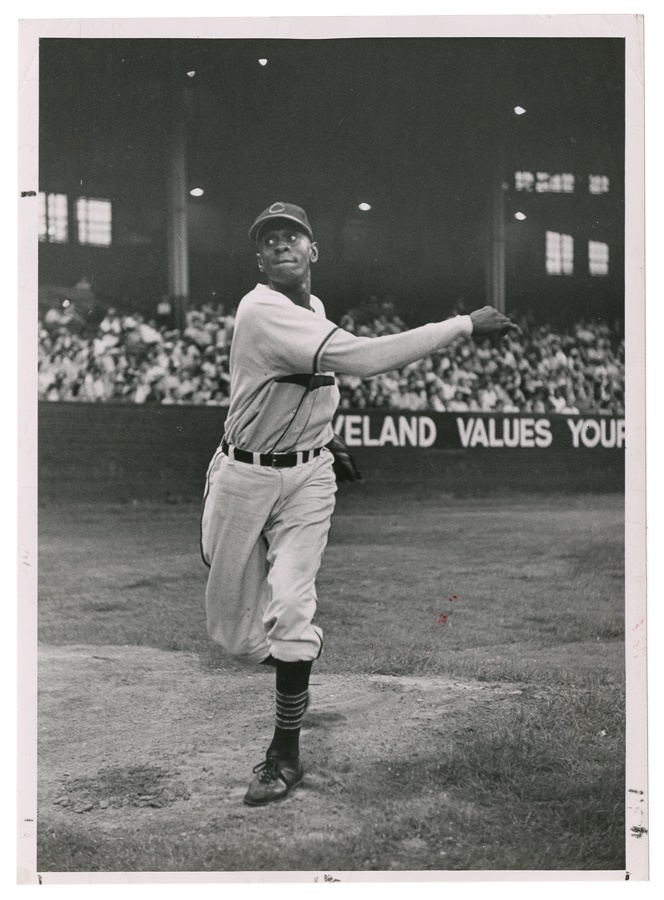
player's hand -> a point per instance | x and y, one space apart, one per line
489 321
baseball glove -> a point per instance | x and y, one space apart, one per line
344 464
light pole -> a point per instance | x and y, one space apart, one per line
496 268
177 222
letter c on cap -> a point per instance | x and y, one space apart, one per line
277 207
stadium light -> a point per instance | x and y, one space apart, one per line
365 207
520 216
262 62
519 110
197 192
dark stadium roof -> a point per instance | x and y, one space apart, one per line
411 125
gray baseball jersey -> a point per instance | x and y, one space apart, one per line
275 357
282 363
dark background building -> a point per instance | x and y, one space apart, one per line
424 131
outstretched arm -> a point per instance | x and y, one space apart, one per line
346 354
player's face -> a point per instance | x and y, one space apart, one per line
285 252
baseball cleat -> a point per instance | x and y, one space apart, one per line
275 779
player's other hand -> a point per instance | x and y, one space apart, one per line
489 321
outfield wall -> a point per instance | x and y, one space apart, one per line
123 452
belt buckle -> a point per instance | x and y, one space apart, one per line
273 463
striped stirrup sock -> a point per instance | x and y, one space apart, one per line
291 703
288 721
290 710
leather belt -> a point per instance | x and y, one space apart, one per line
273 460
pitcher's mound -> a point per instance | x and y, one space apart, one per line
127 733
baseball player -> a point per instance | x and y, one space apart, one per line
270 488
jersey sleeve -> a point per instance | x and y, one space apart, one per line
347 354
287 337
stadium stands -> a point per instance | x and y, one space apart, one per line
539 371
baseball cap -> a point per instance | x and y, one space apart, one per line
280 210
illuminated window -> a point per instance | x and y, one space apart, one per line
559 253
53 218
524 181
598 258
567 183
598 184
543 183
554 184
94 221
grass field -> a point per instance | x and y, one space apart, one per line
518 597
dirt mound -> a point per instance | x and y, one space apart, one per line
133 738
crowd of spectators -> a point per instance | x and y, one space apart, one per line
539 370
129 359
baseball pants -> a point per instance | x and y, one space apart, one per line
263 533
